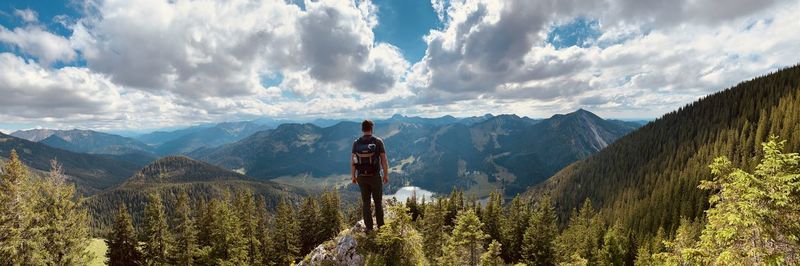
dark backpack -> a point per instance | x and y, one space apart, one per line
367 157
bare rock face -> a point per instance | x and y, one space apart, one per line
343 252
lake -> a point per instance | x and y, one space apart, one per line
404 193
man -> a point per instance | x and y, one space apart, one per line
367 159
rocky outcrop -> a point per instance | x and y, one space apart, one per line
343 249
339 251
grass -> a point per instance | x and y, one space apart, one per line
97 248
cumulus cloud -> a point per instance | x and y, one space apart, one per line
31 91
153 63
76 96
224 48
488 45
203 60
337 45
192 48
651 56
35 41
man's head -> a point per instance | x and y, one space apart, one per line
366 127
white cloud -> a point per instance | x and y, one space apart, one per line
337 46
207 58
35 41
224 48
652 61
27 15
31 91
155 63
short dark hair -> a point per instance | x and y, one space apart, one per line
366 125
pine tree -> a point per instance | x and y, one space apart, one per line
539 243
492 255
453 205
513 230
228 243
204 223
263 232
681 250
433 229
492 217
643 257
122 243
761 131
311 224
246 208
185 233
331 215
413 206
156 232
65 224
285 234
13 175
580 240
465 246
398 243
615 246
754 217
657 243
21 227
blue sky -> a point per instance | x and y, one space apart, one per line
581 31
404 23
46 11
140 65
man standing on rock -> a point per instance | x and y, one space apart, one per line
367 159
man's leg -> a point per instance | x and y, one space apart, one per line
366 210
377 196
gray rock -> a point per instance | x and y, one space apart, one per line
342 253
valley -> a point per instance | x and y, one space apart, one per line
598 179
395 133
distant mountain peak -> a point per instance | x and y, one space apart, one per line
577 114
34 135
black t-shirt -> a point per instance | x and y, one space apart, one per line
379 147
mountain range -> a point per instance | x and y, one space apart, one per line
184 141
83 141
90 172
648 179
644 177
505 151
144 148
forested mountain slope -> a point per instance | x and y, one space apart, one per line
91 173
169 176
499 152
83 141
648 179
219 134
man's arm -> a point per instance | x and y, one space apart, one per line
385 163
352 169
